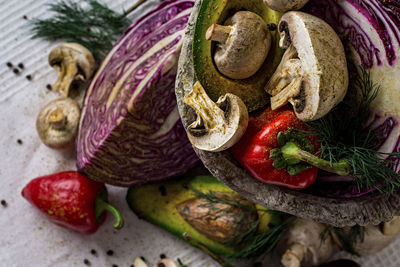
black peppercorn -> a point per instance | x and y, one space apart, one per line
110 252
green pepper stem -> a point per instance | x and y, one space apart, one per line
291 151
101 206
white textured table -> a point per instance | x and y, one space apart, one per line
26 237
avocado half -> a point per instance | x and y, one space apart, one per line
157 203
250 90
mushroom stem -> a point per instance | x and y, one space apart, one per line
57 119
69 71
275 84
287 94
291 151
218 33
293 255
208 110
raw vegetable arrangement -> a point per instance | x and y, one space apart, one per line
328 116
297 97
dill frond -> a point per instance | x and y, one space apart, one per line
95 26
344 134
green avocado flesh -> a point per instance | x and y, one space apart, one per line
157 203
250 90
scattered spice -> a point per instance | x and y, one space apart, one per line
161 265
29 77
114 265
162 256
4 203
86 262
9 64
48 86
271 26
93 252
16 71
19 141
163 190
143 259
24 17
21 66
110 252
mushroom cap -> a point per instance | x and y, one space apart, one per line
246 48
74 51
323 61
285 5
230 120
57 123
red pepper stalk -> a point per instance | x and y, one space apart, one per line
273 152
71 200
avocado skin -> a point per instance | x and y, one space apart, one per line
250 90
156 203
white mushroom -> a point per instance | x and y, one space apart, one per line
218 125
166 262
139 263
73 62
391 227
313 74
243 44
285 5
57 123
302 245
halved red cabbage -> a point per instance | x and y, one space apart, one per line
371 31
130 129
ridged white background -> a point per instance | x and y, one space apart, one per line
27 238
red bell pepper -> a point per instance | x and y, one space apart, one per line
276 149
253 151
71 200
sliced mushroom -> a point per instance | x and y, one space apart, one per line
57 123
220 221
243 44
391 227
73 62
302 245
313 73
218 125
285 5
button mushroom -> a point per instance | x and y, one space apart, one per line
302 245
243 44
73 62
57 123
313 74
391 227
285 5
166 262
218 125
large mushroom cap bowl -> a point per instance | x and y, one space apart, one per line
371 208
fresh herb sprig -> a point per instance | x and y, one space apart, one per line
347 238
346 135
90 24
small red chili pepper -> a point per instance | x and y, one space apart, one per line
71 200
260 151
